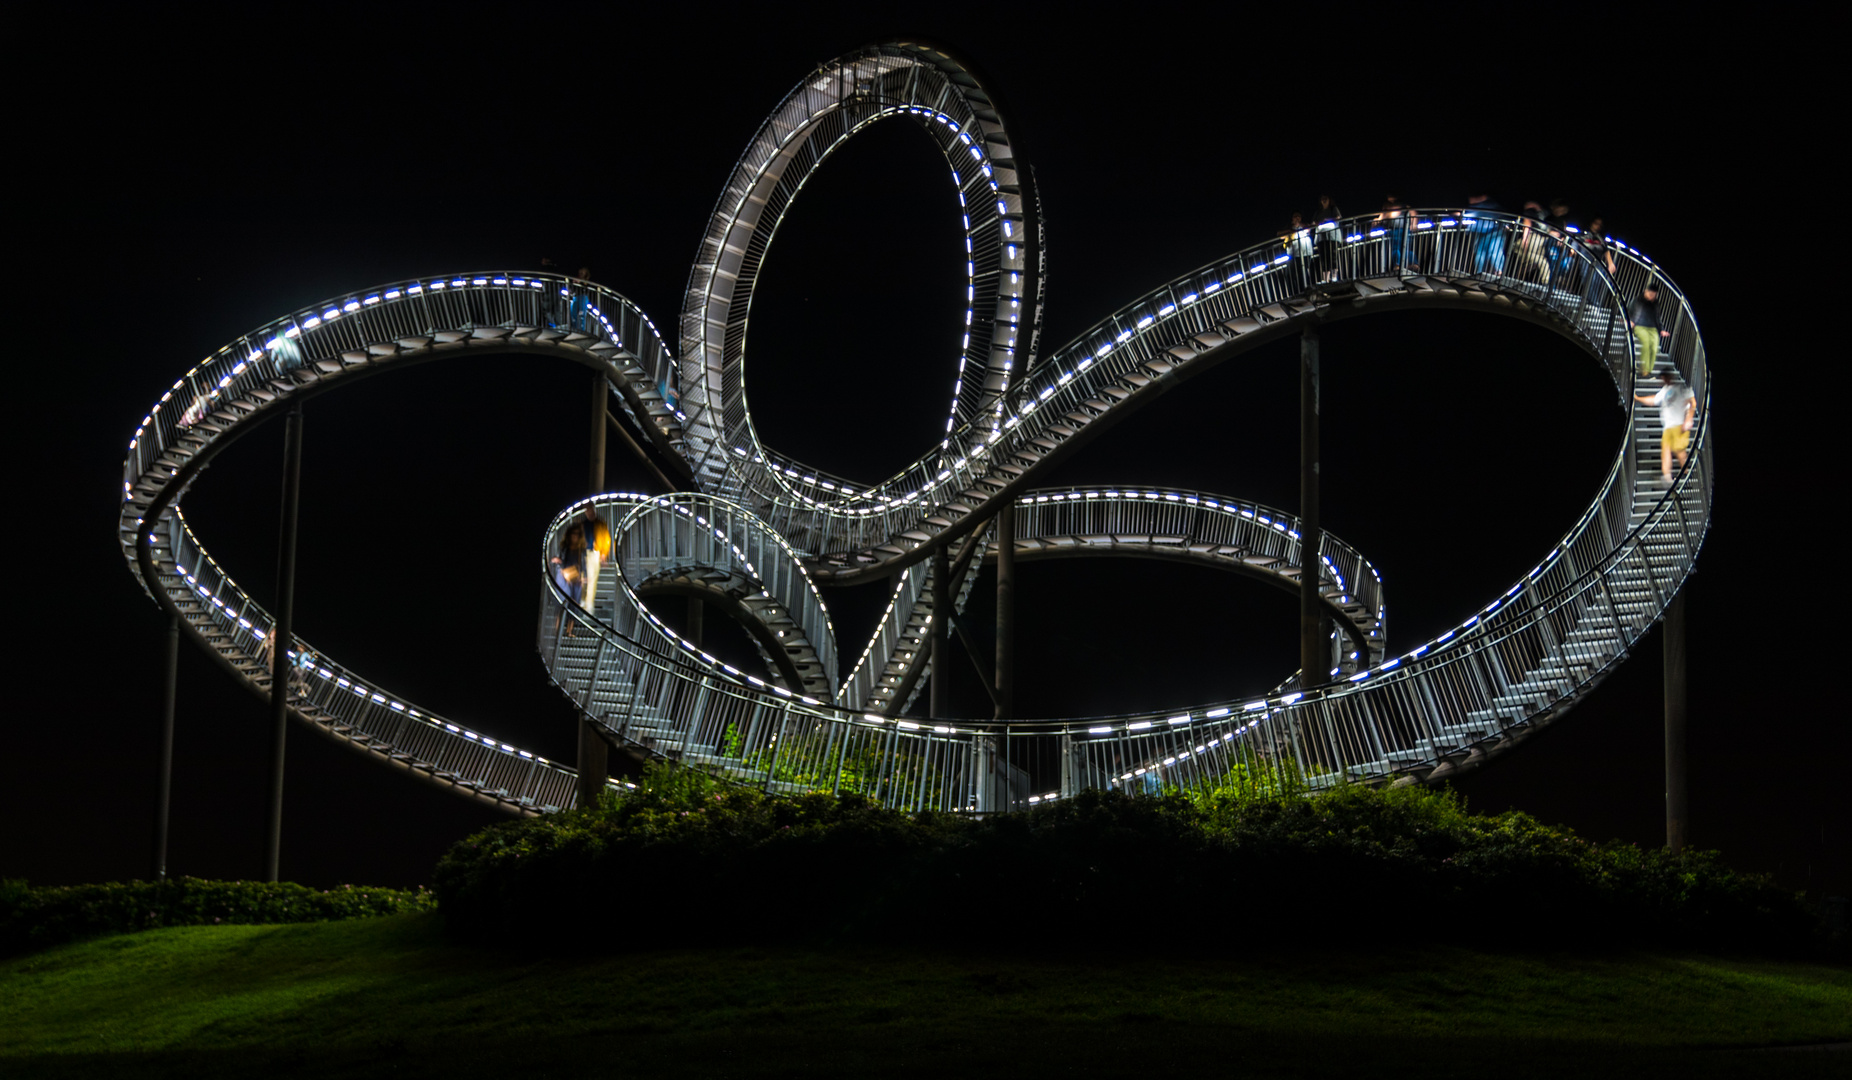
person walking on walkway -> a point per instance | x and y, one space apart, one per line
1329 234
1489 246
1396 217
1643 320
1678 410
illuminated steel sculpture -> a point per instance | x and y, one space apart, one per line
758 532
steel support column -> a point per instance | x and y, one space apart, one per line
1673 627
164 783
598 422
1005 674
283 635
939 689
1313 651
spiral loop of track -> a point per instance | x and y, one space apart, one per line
762 531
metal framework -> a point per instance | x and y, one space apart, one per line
762 532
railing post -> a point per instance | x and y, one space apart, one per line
164 784
283 636
1675 705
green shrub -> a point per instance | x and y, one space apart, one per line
37 918
688 859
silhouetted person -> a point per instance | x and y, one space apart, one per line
1329 232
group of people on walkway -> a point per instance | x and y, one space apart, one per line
1547 248
1544 250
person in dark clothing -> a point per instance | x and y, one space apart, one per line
581 299
1398 219
1531 244
1599 252
1489 236
1562 236
569 566
1643 319
1329 235
1296 238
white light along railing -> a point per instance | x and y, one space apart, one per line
340 703
1533 649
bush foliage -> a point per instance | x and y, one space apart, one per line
36 918
1218 869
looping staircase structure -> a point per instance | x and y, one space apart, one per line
758 532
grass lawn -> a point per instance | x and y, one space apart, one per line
393 997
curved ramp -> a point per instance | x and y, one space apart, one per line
766 530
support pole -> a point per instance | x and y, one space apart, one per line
1673 627
697 610
594 759
598 421
1006 611
637 449
1314 651
284 637
164 785
939 689
593 755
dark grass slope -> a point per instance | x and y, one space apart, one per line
398 997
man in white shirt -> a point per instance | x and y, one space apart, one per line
1677 410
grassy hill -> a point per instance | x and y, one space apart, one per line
395 996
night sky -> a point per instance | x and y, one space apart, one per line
185 192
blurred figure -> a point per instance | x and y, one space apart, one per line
1643 320
581 299
569 566
1531 244
597 552
1602 255
1397 218
1561 252
1297 239
1489 234
1329 235
1678 410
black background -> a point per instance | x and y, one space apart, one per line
191 177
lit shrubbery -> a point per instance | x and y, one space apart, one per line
702 862
36 918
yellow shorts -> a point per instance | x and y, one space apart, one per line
1676 439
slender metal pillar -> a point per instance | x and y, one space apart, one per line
939 689
697 611
1314 651
164 784
598 422
594 765
1006 612
1673 627
594 761
284 633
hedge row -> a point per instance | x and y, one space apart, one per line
690 861
34 918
